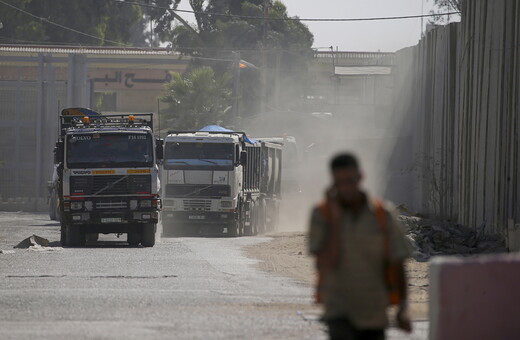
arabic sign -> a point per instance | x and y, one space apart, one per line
130 79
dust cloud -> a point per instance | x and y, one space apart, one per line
377 134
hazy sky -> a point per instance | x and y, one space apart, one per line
386 36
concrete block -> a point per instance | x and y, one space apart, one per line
475 298
513 236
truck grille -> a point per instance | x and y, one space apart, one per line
197 205
198 190
111 205
110 185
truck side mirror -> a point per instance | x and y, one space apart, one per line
243 158
58 152
159 148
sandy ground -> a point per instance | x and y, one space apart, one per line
286 255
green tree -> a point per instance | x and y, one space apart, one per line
197 99
444 6
107 20
449 5
280 49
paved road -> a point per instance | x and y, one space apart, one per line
188 288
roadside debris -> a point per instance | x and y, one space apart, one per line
32 241
7 251
430 237
36 243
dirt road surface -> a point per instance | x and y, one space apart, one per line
183 288
286 255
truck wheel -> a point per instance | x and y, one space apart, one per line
74 237
174 230
58 210
272 212
63 235
251 230
134 239
234 229
52 206
148 235
261 221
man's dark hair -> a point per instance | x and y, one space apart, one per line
344 160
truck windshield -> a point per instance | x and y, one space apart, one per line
185 155
114 150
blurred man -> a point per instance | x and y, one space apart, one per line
360 252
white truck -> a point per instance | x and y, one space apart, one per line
108 177
217 181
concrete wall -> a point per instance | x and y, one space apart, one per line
461 89
476 298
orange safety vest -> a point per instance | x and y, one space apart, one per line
328 257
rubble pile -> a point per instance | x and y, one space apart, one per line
430 237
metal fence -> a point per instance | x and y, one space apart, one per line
462 85
38 82
28 131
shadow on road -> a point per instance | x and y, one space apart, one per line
50 224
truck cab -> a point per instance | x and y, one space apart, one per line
213 183
108 178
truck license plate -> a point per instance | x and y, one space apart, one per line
196 217
111 220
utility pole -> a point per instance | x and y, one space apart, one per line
151 27
236 83
422 18
263 98
266 15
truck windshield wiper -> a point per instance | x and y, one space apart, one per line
183 162
207 160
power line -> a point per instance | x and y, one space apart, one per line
59 25
248 17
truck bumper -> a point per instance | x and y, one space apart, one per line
197 222
112 221
197 218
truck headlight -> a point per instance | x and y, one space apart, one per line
145 204
76 205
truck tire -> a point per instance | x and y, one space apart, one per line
254 220
261 221
273 216
74 236
174 230
251 230
235 229
133 239
52 206
148 234
63 235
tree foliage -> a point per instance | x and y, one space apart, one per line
449 5
444 6
213 31
197 99
110 21
279 49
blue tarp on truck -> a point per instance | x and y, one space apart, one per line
216 128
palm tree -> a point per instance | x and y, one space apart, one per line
197 99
